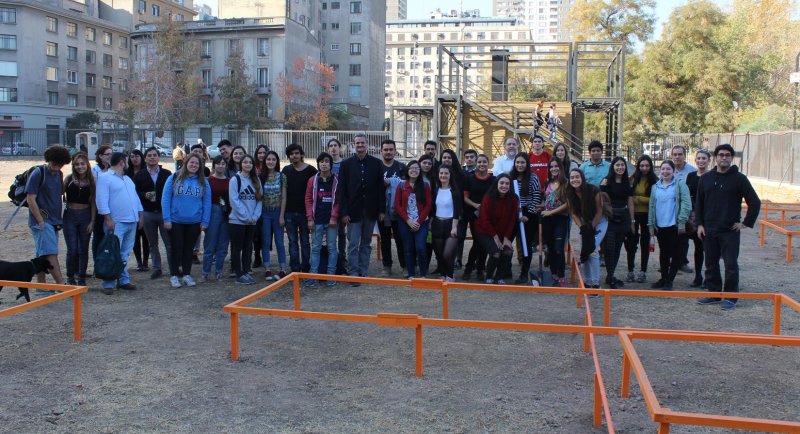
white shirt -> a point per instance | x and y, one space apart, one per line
444 203
503 164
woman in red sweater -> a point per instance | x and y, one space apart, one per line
412 202
495 226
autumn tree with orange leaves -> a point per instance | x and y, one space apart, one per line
306 90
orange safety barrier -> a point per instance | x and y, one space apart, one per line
665 416
65 291
774 224
783 208
601 405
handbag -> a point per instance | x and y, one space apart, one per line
108 262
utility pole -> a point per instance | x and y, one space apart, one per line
796 81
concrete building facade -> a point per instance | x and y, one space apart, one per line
547 19
396 10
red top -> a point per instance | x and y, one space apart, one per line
404 190
496 217
539 165
219 187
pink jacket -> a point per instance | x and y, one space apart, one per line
311 198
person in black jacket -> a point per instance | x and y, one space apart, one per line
718 211
362 203
149 186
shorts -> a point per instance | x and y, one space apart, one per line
45 240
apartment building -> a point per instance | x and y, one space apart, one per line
129 13
547 19
58 59
396 10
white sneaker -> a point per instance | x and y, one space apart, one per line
175 282
187 279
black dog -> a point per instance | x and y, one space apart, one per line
23 272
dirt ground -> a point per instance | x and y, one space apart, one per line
157 359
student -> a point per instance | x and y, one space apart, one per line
458 179
619 190
261 164
215 243
539 159
234 165
322 212
261 158
526 186
670 205
244 192
470 161
703 160
495 227
388 227
272 215
504 163
121 209
186 207
141 249
178 154
644 178
413 204
102 164
586 210
560 151
297 175
555 220
476 186
426 164
447 209
226 149
335 149
149 184
79 191
430 150
595 168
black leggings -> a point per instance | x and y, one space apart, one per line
241 247
182 238
141 248
476 260
642 238
499 264
669 256
531 239
698 257
444 245
613 241
554 232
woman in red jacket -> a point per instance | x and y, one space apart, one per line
494 229
412 202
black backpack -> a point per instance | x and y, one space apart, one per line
108 263
17 192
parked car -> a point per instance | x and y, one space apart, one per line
161 150
213 151
120 146
17 148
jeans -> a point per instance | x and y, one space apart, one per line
554 232
415 242
153 225
126 233
270 227
591 268
320 231
725 246
669 255
241 247
215 243
77 239
359 245
387 233
297 231
183 236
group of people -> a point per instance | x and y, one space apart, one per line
244 203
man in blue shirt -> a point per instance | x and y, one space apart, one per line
596 168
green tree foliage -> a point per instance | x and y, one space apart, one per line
612 20
236 103
83 121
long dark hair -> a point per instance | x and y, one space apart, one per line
232 164
100 151
494 194
265 171
87 176
456 173
651 177
261 165
419 184
429 175
583 204
612 175
131 170
561 180
253 176
525 183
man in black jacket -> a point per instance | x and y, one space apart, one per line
362 203
149 187
718 210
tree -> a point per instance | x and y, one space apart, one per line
305 90
236 103
612 20
339 118
83 121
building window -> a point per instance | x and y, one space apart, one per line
413 94
335 67
207 80
355 28
355 91
324 6
52 49
8 94
401 65
426 94
8 42
123 84
263 47
90 34
334 26
51 73
8 69
52 24
108 39
263 77
426 65
123 63
91 102
426 79
355 48
401 51
177 17
91 57
107 103
426 51
334 47
9 16
335 88
108 60
52 98
156 10
334 5
233 47
324 26
72 77
72 100
90 80
107 82
123 42
355 70
355 7
388 66
206 50
142 6
72 30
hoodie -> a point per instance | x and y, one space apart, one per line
719 200
187 203
245 207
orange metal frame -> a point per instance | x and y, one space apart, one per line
778 225
65 291
783 208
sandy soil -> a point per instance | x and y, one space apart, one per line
156 360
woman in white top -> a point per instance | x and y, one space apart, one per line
447 204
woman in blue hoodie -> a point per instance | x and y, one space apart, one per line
186 208
244 192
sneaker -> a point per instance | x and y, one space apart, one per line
489 281
630 278
187 279
281 274
480 276
218 277
268 275
311 282
562 282
501 282
728 304
128 287
251 278
71 281
696 283
641 277
206 279
686 269
709 300
244 280
659 284
331 283
107 291
175 281
155 274
449 279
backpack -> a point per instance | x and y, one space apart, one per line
108 262
18 192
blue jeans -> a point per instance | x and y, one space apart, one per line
316 247
77 239
215 243
415 242
359 246
270 227
297 231
591 268
126 233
